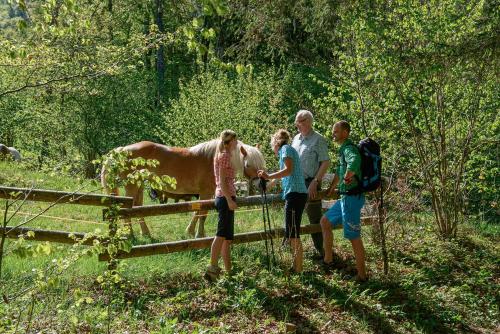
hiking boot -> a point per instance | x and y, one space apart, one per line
212 274
336 263
327 267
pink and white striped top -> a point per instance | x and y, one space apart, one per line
223 160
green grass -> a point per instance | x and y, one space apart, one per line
434 285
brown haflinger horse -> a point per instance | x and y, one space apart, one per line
193 169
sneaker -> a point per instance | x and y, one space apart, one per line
212 273
357 279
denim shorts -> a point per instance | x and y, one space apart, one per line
225 226
347 211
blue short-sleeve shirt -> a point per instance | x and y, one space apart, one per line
295 181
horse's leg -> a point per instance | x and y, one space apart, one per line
190 229
138 201
202 216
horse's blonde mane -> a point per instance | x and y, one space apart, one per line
254 157
206 149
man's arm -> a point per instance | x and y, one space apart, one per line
323 168
353 162
333 185
313 186
324 163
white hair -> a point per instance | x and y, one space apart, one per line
305 113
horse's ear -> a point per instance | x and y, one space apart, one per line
243 151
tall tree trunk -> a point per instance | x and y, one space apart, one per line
160 60
148 53
110 25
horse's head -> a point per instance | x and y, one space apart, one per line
252 160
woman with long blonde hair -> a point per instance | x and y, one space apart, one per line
225 202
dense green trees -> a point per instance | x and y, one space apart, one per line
424 80
81 77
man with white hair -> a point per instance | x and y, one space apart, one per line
314 160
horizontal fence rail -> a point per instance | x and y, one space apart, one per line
128 211
46 235
240 238
164 209
62 197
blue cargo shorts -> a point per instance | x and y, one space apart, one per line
347 211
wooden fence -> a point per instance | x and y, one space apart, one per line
127 211
63 237
191 244
61 197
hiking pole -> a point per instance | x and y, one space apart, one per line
262 186
269 223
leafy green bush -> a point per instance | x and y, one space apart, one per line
251 104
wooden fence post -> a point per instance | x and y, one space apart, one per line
381 220
110 215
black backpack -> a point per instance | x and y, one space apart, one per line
371 167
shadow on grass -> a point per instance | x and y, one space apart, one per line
425 314
399 302
378 322
448 265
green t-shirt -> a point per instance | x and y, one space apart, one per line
349 159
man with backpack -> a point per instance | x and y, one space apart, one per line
347 210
